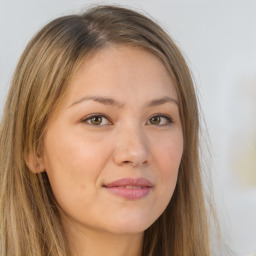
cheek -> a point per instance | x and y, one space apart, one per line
167 155
72 153
73 164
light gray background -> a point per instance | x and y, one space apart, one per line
219 40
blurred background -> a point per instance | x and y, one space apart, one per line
218 39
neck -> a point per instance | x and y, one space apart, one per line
85 241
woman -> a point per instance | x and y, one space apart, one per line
99 143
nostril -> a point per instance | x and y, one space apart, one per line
131 163
133 154
135 163
145 162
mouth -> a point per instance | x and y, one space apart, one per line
130 188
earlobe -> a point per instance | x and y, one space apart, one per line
35 163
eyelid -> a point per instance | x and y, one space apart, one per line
86 118
169 119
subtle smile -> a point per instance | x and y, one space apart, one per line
130 188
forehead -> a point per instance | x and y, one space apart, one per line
120 71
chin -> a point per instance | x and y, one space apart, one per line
129 226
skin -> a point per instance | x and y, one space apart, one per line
82 154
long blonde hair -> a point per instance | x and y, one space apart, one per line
29 216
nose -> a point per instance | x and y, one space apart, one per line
132 148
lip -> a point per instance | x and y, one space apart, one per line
130 188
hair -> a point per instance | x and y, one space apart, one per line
29 215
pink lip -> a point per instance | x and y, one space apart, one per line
130 188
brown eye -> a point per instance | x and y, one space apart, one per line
97 120
156 120
160 120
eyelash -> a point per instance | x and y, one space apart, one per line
88 119
169 120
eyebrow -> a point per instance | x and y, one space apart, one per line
115 103
102 100
161 101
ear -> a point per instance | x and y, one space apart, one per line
35 163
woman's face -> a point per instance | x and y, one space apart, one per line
113 151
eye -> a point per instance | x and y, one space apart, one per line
97 120
160 120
